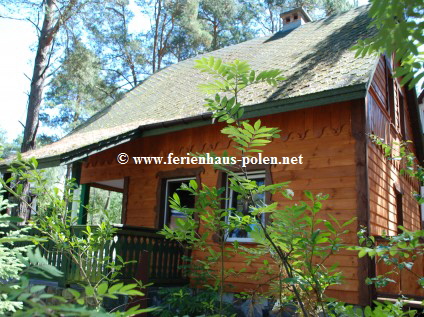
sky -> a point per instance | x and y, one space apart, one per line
16 40
14 64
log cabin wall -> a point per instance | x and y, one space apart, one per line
322 135
388 118
390 195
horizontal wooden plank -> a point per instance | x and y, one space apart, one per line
349 297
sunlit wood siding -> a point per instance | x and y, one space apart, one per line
391 194
322 135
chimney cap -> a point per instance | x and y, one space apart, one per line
301 10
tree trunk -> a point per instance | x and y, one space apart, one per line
158 9
45 41
38 77
215 36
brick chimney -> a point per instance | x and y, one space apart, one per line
294 18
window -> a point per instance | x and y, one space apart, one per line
239 208
168 183
402 126
107 196
399 211
187 200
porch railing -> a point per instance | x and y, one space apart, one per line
153 259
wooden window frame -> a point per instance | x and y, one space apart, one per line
229 194
85 199
402 128
390 90
163 177
166 212
251 168
266 168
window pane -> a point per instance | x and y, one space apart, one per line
237 204
186 199
104 202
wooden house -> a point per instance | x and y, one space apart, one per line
326 108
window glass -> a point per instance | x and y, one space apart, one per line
104 205
238 205
186 199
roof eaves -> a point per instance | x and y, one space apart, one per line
81 153
42 163
308 101
142 131
302 102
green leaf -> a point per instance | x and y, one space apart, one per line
308 194
37 288
362 253
114 288
193 184
102 288
74 292
349 222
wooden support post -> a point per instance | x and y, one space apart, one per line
84 199
366 265
125 200
76 174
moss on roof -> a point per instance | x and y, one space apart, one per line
314 57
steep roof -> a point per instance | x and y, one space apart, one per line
315 58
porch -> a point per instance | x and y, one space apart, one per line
154 259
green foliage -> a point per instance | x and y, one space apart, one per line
214 227
77 90
248 137
398 253
305 237
388 309
189 302
400 29
8 148
227 22
301 242
233 77
379 309
84 248
122 51
216 220
104 205
10 264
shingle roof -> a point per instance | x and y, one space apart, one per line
315 58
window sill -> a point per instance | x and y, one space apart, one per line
242 242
